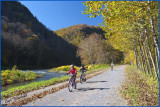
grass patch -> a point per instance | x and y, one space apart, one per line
38 85
14 76
140 89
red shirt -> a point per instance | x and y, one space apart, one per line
73 71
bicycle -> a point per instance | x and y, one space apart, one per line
72 83
82 78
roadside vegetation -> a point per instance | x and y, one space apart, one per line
38 85
14 76
62 69
65 69
140 89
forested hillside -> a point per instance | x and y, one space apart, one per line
93 47
74 34
27 43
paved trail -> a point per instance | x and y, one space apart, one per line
101 90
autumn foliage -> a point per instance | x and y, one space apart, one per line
132 27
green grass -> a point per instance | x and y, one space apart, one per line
38 85
140 89
14 75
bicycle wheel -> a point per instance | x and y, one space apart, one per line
75 86
70 85
84 79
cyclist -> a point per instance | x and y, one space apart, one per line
73 72
83 70
112 66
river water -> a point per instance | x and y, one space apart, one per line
47 75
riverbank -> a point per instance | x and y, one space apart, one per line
38 85
46 76
16 76
140 89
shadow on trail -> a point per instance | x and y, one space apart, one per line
95 81
87 89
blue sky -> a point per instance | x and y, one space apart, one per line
60 14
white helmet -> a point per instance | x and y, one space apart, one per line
72 65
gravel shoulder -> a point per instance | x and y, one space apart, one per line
101 90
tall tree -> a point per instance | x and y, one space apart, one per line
90 48
131 26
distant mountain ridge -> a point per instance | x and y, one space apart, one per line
27 43
74 34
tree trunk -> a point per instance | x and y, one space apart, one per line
147 58
142 64
154 31
142 42
136 59
157 61
135 54
143 56
150 54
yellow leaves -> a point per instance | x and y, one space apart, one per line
120 40
120 21
64 68
129 57
90 67
4 74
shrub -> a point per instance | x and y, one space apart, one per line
30 75
15 75
63 68
90 67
